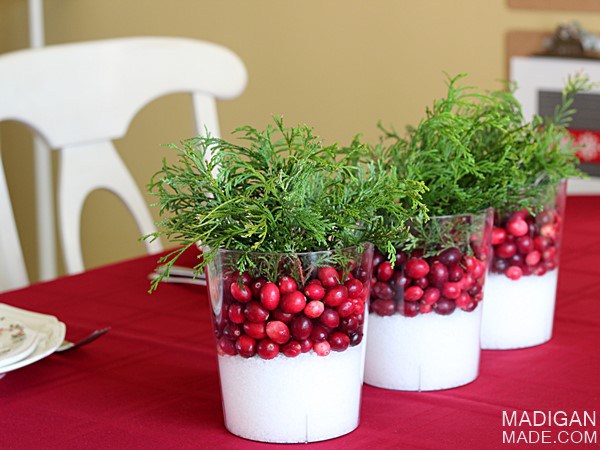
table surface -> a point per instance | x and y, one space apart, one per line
152 381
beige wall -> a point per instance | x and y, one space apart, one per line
339 65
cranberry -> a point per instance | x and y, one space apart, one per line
292 349
416 268
517 226
438 275
329 276
451 290
322 348
450 256
467 282
232 331
384 307
339 341
235 313
293 302
254 312
245 278
409 309
399 281
306 345
421 282
383 291
455 273
549 254
356 338
267 349
301 327
314 309
514 272
400 259
541 243
378 258
349 324
355 287
319 333
525 244
256 285
444 306
533 258
548 231
499 265
314 291
245 346
498 235
345 309
287 284
255 330
269 296
241 293
506 250
284 317
413 293
336 295
385 271
330 318
278 332
463 300
431 295
227 346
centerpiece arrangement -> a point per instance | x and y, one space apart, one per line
286 225
521 289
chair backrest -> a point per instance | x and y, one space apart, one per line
79 97
13 273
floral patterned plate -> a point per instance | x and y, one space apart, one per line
16 340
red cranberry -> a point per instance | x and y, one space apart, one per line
306 345
254 312
498 235
541 243
345 309
245 346
455 273
514 272
413 293
399 281
240 293
293 302
269 296
499 265
416 268
235 313
548 231
549 254
329 276
330 318
292 349
385 271
467 282
339 341
227 346
255 330
314 309
463 300
284 317
431 295
322 348
421 282
356 338
506 250
378 257
533 258
349 324
517 227
267 349
355 287
336 295
287 284
319 333
401 258
383 291
256 285
314 291
451 290
301 327
438 275
278 332
444 306
232 331
450 256
409 309
425 308
525 244
384 307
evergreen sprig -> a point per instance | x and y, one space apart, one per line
279 190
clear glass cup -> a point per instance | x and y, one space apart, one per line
520 291
425 313
289 334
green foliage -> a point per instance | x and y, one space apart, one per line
280 190
475 150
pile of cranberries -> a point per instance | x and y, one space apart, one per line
416 285
524 244
264 318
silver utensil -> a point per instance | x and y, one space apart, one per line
180 274
68 345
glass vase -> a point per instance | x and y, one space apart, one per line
290 342
521 287
425 313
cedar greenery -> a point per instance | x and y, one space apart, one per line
280 190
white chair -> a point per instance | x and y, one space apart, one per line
79 97
13 273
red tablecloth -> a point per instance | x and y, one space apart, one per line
152 382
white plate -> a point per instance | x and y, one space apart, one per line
50 330
17 341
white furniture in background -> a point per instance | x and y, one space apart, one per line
538 74
79 97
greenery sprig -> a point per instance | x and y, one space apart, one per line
280 190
